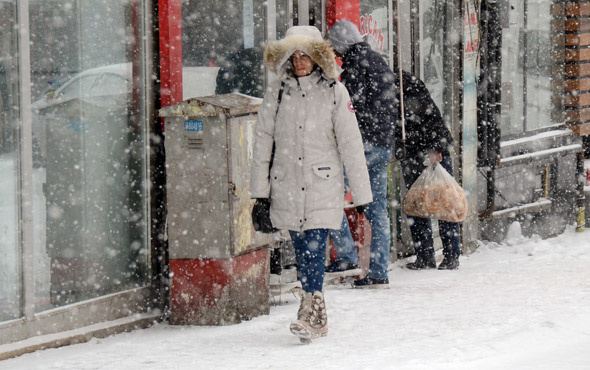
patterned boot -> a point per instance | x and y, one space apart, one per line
312 319
301 327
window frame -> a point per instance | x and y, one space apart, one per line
132 307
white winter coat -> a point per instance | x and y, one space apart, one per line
315 132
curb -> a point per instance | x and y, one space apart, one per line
76 336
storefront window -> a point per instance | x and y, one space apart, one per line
222 47
374 25
283 18
10 287
526 93
538 64
89 150
432 15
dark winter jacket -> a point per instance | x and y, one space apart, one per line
241 72
370 83
425 129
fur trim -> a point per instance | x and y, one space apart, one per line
277 54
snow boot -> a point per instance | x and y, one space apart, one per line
312 319
371 283
299 327
449 263
341 267
422 263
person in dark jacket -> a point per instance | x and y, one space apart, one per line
370 83
427 139
240 72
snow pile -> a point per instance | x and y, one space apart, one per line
522 304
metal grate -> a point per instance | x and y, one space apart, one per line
194 142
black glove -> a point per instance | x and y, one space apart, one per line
261 216
360 209
264 201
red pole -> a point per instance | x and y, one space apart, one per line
343 9
170 18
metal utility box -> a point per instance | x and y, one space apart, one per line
219 264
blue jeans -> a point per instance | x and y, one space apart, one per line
378 159
344 244
421 228
310 253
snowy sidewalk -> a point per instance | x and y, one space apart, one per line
524 304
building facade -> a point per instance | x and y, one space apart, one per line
83 203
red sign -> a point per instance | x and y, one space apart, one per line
370 26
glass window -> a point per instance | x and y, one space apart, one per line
374 25
526 93
90 228
110 84
95 84
283 21
538 65
10 283
432 15
78 87
222 47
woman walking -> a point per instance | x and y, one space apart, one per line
306 132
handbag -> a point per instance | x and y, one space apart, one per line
261 209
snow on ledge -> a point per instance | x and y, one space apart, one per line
541 135
522 209
541 153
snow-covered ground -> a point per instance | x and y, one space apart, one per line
522 304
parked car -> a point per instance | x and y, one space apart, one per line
107 86
96 83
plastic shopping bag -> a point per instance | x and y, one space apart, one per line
436 194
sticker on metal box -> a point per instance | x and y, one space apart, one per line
193 125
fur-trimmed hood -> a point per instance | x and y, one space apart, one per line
307 39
